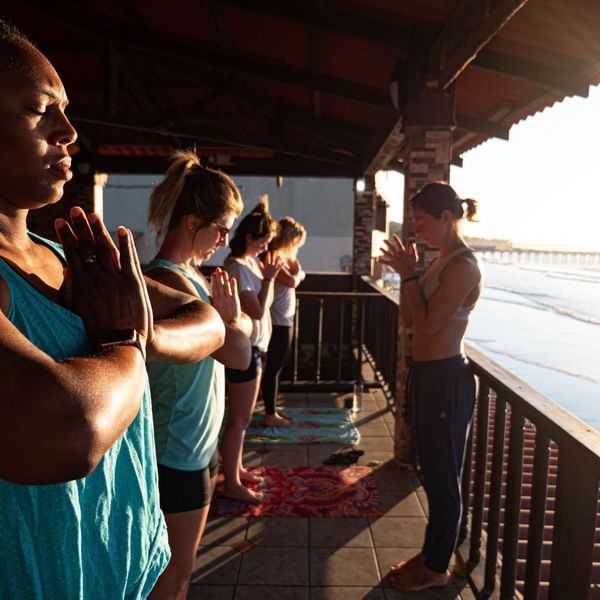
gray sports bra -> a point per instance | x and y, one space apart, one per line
430 281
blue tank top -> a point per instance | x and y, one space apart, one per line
188 401
102 536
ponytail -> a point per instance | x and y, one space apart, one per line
471 209
191 188
257 223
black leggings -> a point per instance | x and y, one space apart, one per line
281 340
442 394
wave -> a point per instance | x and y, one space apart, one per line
534 363
573 276
557 308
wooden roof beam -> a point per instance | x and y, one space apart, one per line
469 28
315 60
384 143
496 116
302 13
482 127
530 72
211 135
146 41
218 26
286 166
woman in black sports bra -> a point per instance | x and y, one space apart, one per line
441 391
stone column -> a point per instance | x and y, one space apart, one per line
85 191
364 221
427 159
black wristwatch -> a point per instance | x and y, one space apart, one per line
122 337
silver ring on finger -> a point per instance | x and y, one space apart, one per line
92 258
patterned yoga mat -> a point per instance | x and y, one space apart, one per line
310 425
305 492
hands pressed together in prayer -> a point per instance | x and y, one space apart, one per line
224 297
402 259
103 284
271 264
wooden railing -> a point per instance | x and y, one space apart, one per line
532 471
530 485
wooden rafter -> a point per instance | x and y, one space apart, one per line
482 127
531 72
302 13
217 23
469 28
384 143
213 135
286 166
315 59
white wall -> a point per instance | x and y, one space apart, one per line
323 206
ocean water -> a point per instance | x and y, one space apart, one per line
542 323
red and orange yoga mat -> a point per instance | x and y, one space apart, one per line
305 492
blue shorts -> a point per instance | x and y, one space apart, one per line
237 376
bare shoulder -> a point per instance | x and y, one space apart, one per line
464 266
171 279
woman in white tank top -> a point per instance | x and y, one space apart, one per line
290 238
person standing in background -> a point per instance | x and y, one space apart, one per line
441 390
255 283
290 238
192 211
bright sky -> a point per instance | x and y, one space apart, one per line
541 187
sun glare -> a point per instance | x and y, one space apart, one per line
539 188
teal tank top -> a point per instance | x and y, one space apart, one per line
188 401
102 536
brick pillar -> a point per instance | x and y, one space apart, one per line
364 221
428 157
85 191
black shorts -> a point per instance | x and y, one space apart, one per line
181 491
237 376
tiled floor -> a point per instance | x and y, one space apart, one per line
321 558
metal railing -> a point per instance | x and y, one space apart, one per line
331 324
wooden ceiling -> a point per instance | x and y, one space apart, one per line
302 87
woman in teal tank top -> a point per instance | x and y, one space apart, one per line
79 514
192 211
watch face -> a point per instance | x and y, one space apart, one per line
120 335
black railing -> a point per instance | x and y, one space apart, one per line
336 331
530 518
328 342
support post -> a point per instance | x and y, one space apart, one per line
428 158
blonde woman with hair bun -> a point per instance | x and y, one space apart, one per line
289 239
192 211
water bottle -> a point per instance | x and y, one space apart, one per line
357 396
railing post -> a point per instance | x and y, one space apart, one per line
491 552
319 342
512 506
340 343
574 530
479 480
295 345
361 337
537 515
